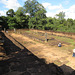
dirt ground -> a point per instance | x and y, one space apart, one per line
21 61
51 54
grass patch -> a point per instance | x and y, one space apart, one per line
65 39
57 62
28 31
59 38
68 63
25 42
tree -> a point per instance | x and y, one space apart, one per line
1 20
32 6
49 25
21 18
36 12
69 22
10 13
56 23
20 11
4 22
61 15
12 22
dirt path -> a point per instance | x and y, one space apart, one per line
49 53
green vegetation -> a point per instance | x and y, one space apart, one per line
58 38
28 31
36 19
64 39
57 62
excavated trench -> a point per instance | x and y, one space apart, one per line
20 61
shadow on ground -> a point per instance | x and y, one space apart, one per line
23 62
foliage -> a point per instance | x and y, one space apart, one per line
4 22
10 13
33 6
21 18
12 22
61 15
37 13
36 19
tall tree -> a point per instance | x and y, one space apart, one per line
4 22
20 11
10 13
49 25
12 22
21 18
36 12
61 15
32 6
1 20
69 22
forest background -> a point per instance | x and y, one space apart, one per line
33 16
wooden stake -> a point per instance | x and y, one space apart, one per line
45 37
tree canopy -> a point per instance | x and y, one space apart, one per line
36 12
36 19
21 18
61 15
33 6
10 13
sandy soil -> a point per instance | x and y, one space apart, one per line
51 54
21 61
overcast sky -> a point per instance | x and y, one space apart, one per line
52 7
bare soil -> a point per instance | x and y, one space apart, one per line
21 61
48 50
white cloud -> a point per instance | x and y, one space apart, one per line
52 7
24 0
3 13
72 9
71 12
52 10
11 4
55 9
46 4
70 15
50 14
2 1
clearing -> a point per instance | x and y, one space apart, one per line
34 40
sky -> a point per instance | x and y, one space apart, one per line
52 7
